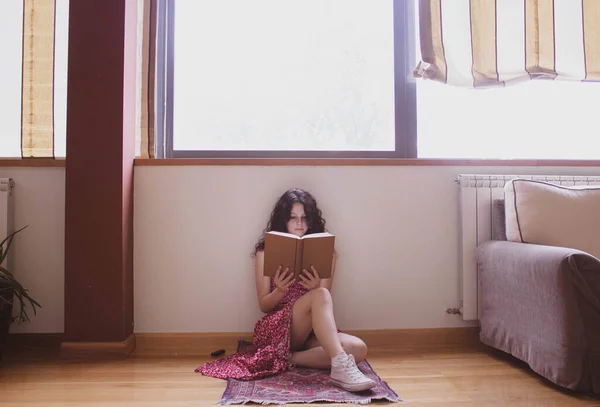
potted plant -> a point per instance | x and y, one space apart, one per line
11 291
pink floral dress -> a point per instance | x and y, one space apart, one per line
271 344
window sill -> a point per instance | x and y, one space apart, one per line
33 162
368 162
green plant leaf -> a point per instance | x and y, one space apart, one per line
23 315
11 283
4 300
8 240
5 271
10 287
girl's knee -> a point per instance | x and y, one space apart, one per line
321 294
356 347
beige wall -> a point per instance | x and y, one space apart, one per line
39 258
397 237
195 227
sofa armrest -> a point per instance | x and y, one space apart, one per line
542 304
516 265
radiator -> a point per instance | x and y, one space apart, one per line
477 192
6 213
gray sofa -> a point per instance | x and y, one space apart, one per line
541 304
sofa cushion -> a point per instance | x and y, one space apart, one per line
548 214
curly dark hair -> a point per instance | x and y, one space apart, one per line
281 214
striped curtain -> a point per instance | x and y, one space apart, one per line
146 113
489 43
38 79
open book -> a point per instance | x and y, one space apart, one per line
298 253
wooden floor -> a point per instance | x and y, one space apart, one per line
433 377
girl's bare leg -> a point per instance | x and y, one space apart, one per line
315 356
314 312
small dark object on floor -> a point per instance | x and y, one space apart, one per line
218 352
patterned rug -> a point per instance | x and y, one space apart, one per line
302 385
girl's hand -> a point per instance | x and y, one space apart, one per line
310 281
283 279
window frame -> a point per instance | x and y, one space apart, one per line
405 105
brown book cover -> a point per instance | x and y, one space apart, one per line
299 253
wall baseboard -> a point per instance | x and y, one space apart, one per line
187 343
203 343
98 350
169 344
41 341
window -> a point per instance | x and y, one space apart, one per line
333 78
296 78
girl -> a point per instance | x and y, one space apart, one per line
299 328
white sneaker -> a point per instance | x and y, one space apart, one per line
347 375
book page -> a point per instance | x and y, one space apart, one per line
316 235
290 235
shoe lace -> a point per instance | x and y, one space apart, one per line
352 370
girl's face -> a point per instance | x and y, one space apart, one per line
297 223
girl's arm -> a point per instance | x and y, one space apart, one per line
328 282
267 300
